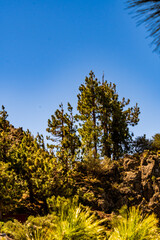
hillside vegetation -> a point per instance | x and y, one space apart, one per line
90 168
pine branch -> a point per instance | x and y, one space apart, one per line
148 12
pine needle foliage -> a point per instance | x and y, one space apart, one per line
132 225
78 224
148 12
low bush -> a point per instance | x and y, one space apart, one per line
69 222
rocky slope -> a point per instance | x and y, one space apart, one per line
134 180
141 181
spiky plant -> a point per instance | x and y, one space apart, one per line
132 225
78 224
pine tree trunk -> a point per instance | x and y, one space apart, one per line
94 138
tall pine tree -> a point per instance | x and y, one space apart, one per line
104 119
88 107
65 142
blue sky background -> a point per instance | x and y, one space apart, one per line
47 47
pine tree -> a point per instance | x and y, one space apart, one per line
5 142
36 169
10 186
104 119
156 142
72 139
88 107
140 144
62 128
40 141
115 121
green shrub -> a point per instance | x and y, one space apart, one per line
39 228
68 222
15 230
35 228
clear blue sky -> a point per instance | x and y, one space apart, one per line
47 47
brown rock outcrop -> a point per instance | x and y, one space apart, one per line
141 181
134 180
